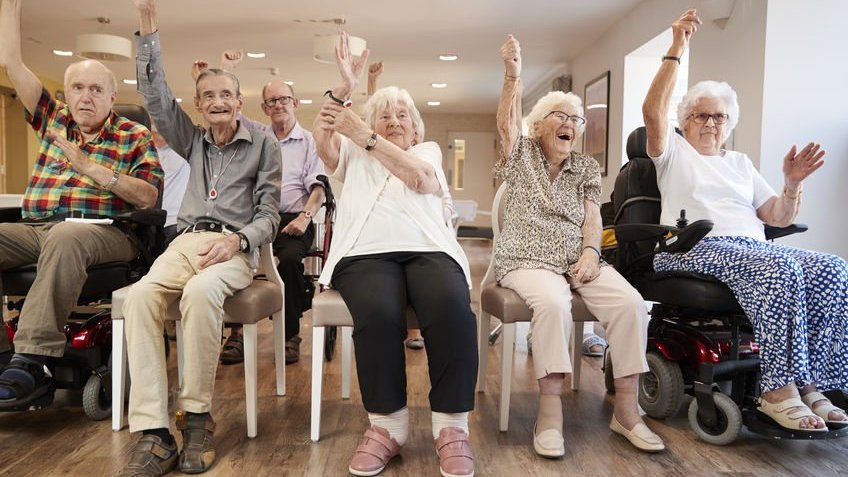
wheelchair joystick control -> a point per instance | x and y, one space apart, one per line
681 221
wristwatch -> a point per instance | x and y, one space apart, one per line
372 142
243 243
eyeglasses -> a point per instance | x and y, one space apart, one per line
283 100
702 118
563 117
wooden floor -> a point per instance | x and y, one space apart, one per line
63 441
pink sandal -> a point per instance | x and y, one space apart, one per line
454 451
375 450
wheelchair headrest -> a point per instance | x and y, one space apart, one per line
133 112
637 143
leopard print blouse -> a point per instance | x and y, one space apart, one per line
543 220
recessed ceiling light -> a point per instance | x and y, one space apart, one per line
256 55
179 100
433 103
289 82
305 101
439 85
596 106
448 57
130 81
63 53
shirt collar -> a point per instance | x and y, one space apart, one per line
241 133
296 134
73 127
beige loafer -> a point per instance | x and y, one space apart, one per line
549 443
640 436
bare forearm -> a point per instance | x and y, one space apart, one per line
147 20
27 85
133 190
592 225
656 105
782 210
415 173
316 198
509 115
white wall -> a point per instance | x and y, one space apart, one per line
806 99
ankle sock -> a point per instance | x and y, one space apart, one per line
442 420
162 433
397 423
550 413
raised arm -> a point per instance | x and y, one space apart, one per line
374 71
780 211
27 85
655 108
509 106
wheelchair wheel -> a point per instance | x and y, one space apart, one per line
729 424
330 342
96 404
661 388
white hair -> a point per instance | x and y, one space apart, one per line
391 97
711 89
113 81
548 103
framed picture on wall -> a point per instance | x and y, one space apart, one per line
596 135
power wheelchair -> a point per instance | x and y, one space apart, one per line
86 363
699 339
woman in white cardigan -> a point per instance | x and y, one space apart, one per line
391 247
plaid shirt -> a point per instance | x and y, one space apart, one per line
56 188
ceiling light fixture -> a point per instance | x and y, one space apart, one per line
63 53
179 100
97 46
434 103
255 55
130 81
305 101
448 57
289 82
596 106
439 85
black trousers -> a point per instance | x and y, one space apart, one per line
290 250
376 289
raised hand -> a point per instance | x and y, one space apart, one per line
231 58
347 123
199 66
375 70
798 166
349 67
511 54
326 117
683 29
144 5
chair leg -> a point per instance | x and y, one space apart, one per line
347 357
180 357
317 380
280 352
576 354
119 374
507 350
484 322
250 378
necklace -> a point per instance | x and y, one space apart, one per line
213 189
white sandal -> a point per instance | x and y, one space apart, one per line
824 410
781 414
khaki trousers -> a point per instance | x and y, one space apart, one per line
62 252
614 302
175 275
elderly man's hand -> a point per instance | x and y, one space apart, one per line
231 58
349 67
199 66
77 159
218 251
511 54
296 227
683 29
797 167
588 267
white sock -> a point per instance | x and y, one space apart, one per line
442 420
397 423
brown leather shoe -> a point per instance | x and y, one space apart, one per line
198 452
150 458
293 350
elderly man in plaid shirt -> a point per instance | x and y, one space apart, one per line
90 161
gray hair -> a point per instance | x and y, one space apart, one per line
217 72
548 103
391 97
113 81
711 89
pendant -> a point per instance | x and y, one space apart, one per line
213 193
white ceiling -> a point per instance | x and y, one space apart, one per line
407 36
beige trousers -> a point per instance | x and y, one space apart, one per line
175 275
614 302
62 251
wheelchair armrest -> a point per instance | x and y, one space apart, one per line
641 232
682 240
155 217
777 232
10 214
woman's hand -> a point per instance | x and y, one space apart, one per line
327 116
682 30
797 167
349 68
511 54
375 70
349 124
588 267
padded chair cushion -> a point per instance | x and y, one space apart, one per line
506 305
248 306
329 309
688 290
102 280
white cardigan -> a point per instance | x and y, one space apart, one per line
364 178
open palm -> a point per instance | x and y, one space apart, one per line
798 166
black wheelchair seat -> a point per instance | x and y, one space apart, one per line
102 279
687 290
